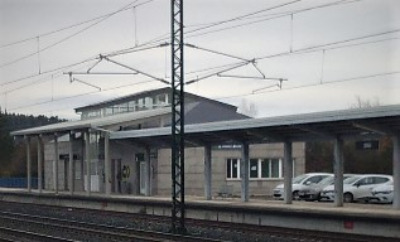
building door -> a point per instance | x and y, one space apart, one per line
118 175
66 172
142 178
141 171
113 176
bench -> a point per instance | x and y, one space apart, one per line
225 191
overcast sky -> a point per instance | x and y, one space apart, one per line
330 52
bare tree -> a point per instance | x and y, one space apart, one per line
248 109
365 103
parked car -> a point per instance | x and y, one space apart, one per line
313 192
382 193
300 183
358 187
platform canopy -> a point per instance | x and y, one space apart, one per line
357 123
109 122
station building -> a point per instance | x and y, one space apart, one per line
79 156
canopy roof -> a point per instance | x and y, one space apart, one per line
350 123
103 122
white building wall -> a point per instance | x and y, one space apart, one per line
194 169
160 168
49 165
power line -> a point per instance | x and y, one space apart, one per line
303 50
43 73
114 53
73 25
165 36
68 37
268 18
244 16
315 84
317 48
80 95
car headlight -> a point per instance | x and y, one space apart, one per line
382 192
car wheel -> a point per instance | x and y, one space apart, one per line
296 195
348 197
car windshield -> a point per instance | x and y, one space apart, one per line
299 179
351 180
326 181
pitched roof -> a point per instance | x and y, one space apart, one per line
146 93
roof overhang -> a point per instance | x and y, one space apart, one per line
351 123
108 122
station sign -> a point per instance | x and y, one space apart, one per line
367 145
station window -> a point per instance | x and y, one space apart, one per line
132 106
124 107
254 168
140 104
161 100
258 169
148 102
265 168
233 168
108 111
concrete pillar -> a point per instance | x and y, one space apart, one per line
107 163
338 170
396 172
147 175
28 164
82 165
40 162
244 172
287 172
207 172
71 173
55 164
88 166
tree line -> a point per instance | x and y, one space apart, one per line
319 157
13 154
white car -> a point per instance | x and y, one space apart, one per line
300 183
383 193
358 187
313 192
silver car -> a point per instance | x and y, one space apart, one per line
382 193
313 192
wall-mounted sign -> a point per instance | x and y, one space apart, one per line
367 145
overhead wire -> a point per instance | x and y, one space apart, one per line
68 27
314 84
99 20
82 94
308 49
267 18
164 37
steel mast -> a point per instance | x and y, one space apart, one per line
178 121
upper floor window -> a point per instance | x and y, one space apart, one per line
138 104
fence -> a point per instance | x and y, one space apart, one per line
18 182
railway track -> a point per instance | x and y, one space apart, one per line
39 228
198 229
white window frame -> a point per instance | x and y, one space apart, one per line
259 168
230 160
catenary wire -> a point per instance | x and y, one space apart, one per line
65 39
72 26
382 74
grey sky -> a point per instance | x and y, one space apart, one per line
308 73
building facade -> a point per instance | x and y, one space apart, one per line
145 169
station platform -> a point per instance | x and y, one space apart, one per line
355 218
